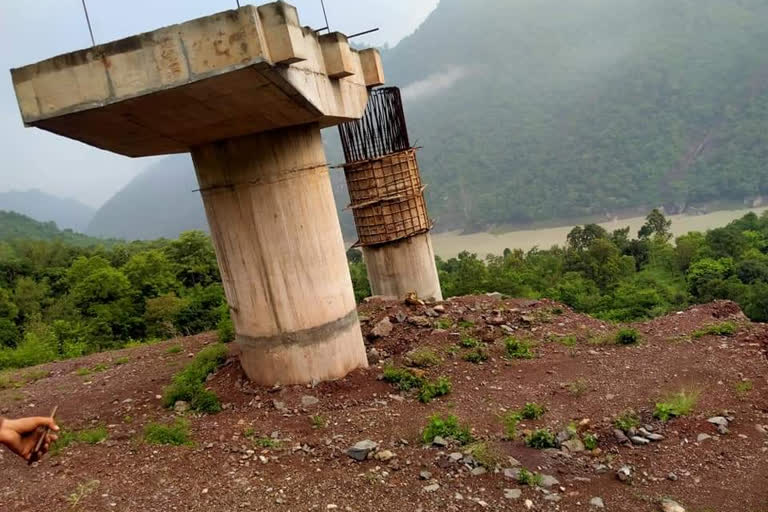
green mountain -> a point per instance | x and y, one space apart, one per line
15 226
531 110
67 213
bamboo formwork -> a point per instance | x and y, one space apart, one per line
387 198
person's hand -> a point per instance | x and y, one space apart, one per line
21 435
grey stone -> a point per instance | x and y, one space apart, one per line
624 473
722 430
309 401
512 494
703 437
639 440
548 481
672 477
425 475
382 328
553 498
718 420
374 356
511 473
431 488
494 295
280 406
400 317
507 329
600 468
419 321
513 461
495 318
597 502
384 455
620 436
439 308
573 445
430 312
456 456
668 505
361 449
479 470
439 441
563 436
181 406
654 437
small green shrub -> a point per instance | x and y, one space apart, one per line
676 405
723 329
176 434
476 356
517 349
578 387
433 389
532 411
188 384
225 330
541 438
318 421
422 358
744 386
627 336
266 442
121 361
567 341
528 478
510 419
447 427
485 455
468 342
86 436
444 323
466 324
590 441
173 350
402 378
627 420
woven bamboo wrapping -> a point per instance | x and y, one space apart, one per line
387 198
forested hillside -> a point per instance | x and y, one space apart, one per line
66 213
15 226
541 109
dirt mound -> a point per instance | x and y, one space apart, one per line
285 448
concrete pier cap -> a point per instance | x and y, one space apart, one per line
246 91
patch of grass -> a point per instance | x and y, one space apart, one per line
722 329
590 441
529 478
676 405
744 386
8 380
446 427
422 358
476 356
174 349
532 411
485 455
510 419
176 434
566 341
577 387
86 436
83 371
627 420
83 491
557 311
267 442
189 383
466 324
469 342
541 438
121 361
517 349
434 388
444 323
318 421
101 367
627 336
403 378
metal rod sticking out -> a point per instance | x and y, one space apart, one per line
322 4
363 33
88 21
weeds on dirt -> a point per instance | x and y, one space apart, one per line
744 386
174 349
402 378
484 454
566 341
532 411
627 420
422 358
722 329
676 405
529 478
476 356
318 421
517 349
188 384
434 388
590 441
8 380
510 419
577 387
446 427
627 336
266 442
469 342
176 434
121 361
83 491
444 323
466 324
540 439
85 436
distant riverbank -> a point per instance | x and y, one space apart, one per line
451 243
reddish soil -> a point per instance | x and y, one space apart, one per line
224 470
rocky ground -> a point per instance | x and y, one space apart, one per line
297 448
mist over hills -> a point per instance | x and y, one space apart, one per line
36 204
533 110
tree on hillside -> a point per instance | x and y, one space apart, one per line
657 226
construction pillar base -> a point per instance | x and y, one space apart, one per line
403 266
274 225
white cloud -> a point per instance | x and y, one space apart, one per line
434 83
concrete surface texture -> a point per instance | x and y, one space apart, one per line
246 91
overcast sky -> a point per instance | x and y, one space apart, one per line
35 30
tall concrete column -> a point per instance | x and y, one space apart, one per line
273 220
246 91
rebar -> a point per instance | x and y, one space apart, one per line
381 131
